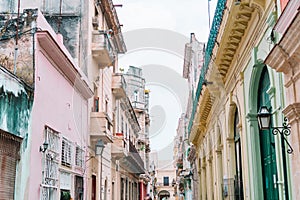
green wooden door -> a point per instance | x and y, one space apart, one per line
267 144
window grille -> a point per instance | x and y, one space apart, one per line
50 165
66 152
79 157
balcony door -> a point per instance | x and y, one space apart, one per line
93 187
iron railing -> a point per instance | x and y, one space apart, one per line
208 53
135 154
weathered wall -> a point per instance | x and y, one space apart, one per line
16 53
64 16
69 28
7 6
15 104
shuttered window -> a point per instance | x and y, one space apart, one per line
66 153
79 157
9 155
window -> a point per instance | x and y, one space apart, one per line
79 157
79 188
238 181
166 181
96 104
122 125
106 105
136 95
122 192
66 153
50 165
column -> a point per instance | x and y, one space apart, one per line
209 179
203 180
219 175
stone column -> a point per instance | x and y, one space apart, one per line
219 175
209 179
203 180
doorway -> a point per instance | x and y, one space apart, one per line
267 144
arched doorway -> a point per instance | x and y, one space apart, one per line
238 177
267 143
163 195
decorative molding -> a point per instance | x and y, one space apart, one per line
292 112
232 36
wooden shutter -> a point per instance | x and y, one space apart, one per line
9 155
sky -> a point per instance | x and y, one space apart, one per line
155 33
183 17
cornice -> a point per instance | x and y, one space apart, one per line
234 31
201 117
63 64
292 112
285 55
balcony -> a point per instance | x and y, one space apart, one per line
133 162
101 126
119 86
102 49
138 105
119 147
112 21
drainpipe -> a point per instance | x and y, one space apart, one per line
17 38
33 31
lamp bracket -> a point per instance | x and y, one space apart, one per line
284 131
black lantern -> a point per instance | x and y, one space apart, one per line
99 147
44 147
264 118
264 123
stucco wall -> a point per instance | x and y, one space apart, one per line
15 117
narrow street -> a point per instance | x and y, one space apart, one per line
149 100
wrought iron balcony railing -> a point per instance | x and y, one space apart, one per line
133 163
208 53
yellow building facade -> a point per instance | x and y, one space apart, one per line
234 158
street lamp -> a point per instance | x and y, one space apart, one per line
264 118
99 147
44 147
264 123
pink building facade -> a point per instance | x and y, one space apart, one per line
59 119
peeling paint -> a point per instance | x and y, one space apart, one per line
10 86
15 104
